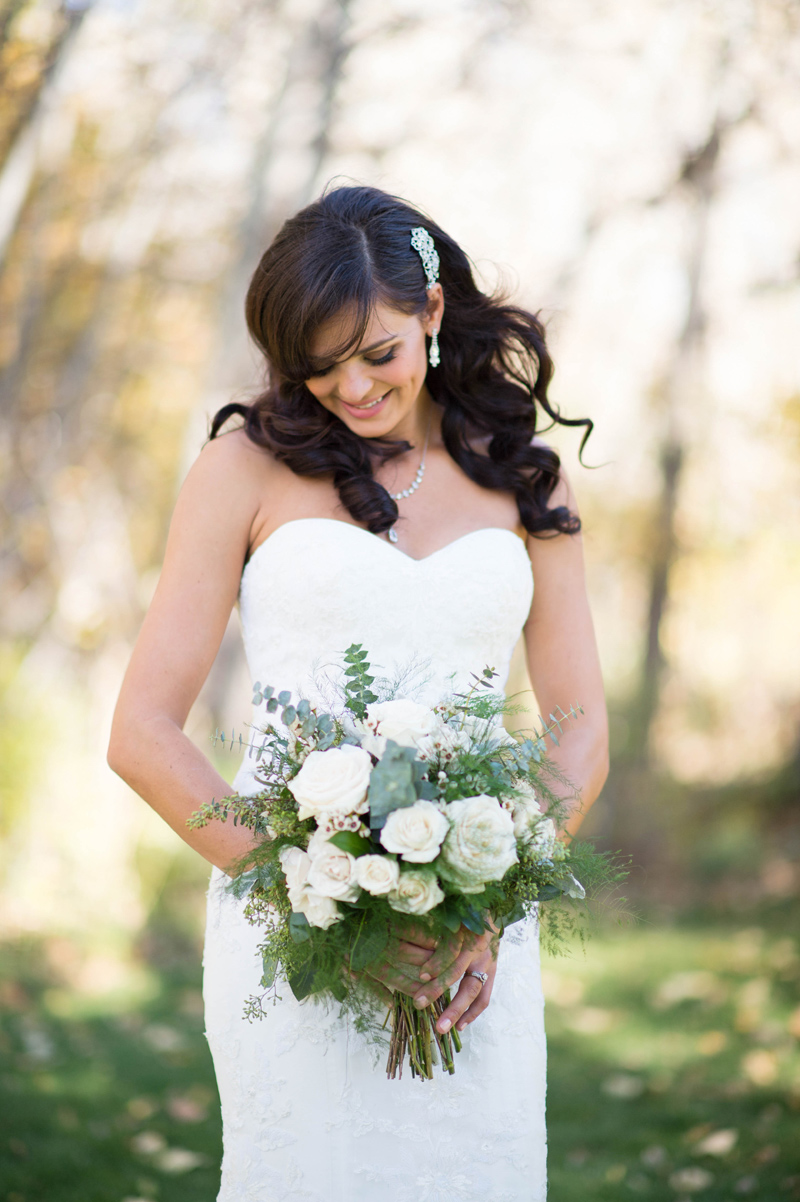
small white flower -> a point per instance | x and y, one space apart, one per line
377 874
415 832
332 874
404 721
480 845
417 892
332 782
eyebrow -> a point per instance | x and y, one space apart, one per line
364 350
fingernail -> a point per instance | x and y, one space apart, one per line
446 1025
424 976
421 1001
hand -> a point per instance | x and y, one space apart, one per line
452 959
409 947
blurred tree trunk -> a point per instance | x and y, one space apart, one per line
678 389
306 101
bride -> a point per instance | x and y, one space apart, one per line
388 488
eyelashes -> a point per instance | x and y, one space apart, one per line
387 358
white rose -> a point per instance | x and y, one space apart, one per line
320 911
415 832
377 874
332 782
332 873
295 864
480 845
318 842
417 892
404 721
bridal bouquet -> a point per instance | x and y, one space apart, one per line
382 808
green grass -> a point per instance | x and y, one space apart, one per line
674 1070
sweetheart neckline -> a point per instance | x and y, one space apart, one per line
376 539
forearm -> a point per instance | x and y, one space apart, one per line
582 758
165 768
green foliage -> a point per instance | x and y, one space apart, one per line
479 758
357 691
393 784
350 842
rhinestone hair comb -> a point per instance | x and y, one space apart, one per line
424 246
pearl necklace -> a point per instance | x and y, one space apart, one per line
412 488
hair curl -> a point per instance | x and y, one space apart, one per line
347 252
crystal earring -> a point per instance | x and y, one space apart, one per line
434 357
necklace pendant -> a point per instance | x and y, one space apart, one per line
392 534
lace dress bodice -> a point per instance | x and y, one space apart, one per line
308 1113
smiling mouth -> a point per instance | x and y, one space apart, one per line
370 404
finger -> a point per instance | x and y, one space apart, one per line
477 1007
445 954
394 977
413 932
467 995
429 991
410 953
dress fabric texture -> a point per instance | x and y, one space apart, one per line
308 1113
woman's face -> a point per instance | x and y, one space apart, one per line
377 389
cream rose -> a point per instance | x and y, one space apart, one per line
417 892
332 782
415 832
480 845
377 874
320 911
295 864
404 721
332 874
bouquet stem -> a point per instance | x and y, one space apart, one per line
414 1035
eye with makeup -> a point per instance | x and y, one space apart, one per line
386 358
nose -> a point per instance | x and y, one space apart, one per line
353 385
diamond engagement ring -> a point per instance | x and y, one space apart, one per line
483 977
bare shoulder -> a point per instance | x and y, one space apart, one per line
234 457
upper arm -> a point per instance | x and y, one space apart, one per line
563 662
207 545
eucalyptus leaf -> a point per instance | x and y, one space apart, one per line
272 705
391 785
284 697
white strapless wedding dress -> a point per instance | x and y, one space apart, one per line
308 1113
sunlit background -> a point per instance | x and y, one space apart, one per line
631 168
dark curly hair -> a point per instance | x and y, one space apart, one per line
347 252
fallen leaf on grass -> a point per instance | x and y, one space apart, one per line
691 1180
718 1143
